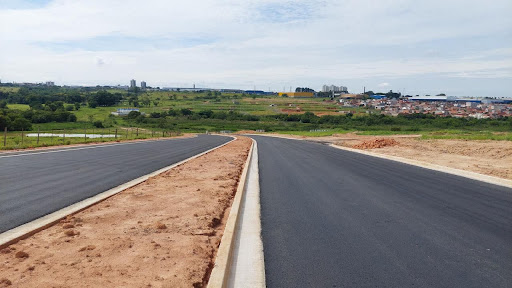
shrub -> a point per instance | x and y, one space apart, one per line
20 124
133 114
98 124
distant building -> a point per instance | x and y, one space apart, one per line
133 84
50 83
334 88
143 85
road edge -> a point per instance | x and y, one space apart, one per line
458 172
223 261
26 230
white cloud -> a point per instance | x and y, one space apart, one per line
385 84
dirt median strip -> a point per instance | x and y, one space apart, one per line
163 232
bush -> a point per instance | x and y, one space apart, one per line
133 114
20 124
98 124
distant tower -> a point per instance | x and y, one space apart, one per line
143 85
133 84
194 86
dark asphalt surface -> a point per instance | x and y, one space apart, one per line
332 218
34 184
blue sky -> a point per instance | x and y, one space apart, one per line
417 47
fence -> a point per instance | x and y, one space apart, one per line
40 138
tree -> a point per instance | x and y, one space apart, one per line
4 122
133 114
304 89
146 101
98 124
20 124
186 112
103 98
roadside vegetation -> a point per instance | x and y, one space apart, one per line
78 109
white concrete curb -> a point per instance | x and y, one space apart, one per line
224 259
248 268
11 236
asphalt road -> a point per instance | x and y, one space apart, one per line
332 218
33 184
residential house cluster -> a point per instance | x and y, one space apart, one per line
458 109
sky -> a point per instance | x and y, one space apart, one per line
457 47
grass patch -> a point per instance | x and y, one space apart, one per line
482 135
22 107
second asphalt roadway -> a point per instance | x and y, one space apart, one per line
34 184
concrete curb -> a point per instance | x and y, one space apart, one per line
12 236
223 261
435 167
248 266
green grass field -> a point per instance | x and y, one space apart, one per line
22 107
435 134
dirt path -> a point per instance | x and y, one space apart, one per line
161 233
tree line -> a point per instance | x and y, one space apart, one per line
411 122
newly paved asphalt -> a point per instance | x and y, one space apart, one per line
34 184
332 218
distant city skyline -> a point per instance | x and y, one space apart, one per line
413 47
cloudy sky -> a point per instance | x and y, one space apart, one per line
458 47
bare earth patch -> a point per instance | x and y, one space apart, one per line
487 157
161 233
376 143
